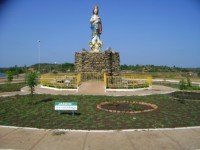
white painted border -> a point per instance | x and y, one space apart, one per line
99 131
56 89
128 90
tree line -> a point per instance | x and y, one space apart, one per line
69 67
152 68
42 68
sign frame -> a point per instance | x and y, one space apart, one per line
66 106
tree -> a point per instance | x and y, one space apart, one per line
9 75
31 80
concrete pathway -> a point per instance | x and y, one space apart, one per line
33 139
155 89
92 88
97 88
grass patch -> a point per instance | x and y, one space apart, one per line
192 88
183 95
177 86
39 112
11 87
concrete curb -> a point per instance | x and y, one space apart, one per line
100 131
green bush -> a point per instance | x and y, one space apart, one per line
188 82
182 84
186 85
134 107
9 76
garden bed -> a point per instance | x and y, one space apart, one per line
38 112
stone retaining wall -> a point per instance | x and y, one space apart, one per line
106 61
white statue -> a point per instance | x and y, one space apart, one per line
96 26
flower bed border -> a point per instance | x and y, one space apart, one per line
154 107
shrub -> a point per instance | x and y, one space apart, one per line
9 75
157 124
115 104
188 82
186 85
182 84
134 107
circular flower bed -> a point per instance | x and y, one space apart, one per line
127 107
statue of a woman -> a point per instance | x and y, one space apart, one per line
96 26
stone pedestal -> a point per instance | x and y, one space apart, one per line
106 61
95 46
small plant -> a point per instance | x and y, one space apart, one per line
157 124
188 82
182 84
187 85
134 107
31 80
9 75
182 101
115 104
56 133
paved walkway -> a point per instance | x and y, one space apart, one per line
92 88
95 88
33 139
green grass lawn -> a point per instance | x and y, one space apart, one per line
39 112
10 87
177 86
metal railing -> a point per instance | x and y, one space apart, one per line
78 80
128 82
59 81
73 81
91 76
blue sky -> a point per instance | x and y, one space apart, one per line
153 32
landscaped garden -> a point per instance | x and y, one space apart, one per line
38 111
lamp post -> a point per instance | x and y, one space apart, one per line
39 56
56 66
